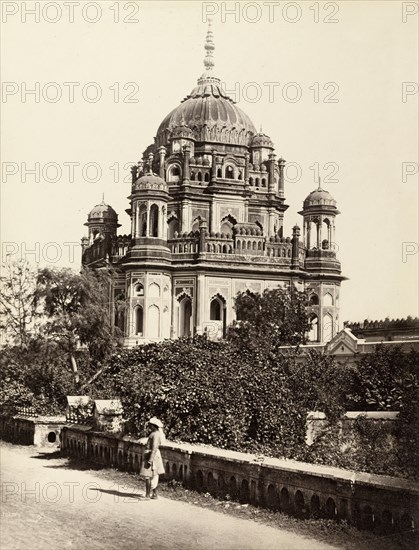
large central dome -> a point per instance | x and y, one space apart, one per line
210 114
208 111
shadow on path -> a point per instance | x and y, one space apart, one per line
48 455
135 496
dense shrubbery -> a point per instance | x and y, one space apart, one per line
244 393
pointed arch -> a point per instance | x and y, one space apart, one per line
313 335
327 327
185 315
139 320
153 322
314 300
173 173
172 228
153 291
154 220
143 220
218 308
328 299
227 224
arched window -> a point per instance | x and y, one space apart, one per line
173 174
250 181
192 176
199 176
154 221
172 228
139 320
139 289
219 173
185 316
313 335
314 300
229 173
143 220
215 310
263 182
257 182
206 177
195 225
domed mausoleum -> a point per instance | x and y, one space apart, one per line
207 209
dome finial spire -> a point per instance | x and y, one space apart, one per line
320 185
209 48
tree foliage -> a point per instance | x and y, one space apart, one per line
274 318
78 308
18 311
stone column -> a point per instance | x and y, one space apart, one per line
185 217
246 169
271 184
271 223
137 220
200 303
214 168
186 169
162 155
202 237
212 217
281 164
295 261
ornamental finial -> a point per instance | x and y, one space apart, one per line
209 48
320 185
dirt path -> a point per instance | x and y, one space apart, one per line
48 506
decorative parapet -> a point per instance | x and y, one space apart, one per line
108 415
306 490
79 409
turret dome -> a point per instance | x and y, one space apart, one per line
149 181
319 197
103 212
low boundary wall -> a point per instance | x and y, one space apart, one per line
41 431
379 503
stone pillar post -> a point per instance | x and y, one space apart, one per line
281 164
271 184
202 236
200 303
133 216
185 216
271 223
246 169
162 155
150 162
214 167
295 260
186 169
212 217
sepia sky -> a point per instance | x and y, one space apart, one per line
334 84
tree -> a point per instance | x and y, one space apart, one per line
277 317
18 311
79 313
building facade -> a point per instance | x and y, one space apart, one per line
207 208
